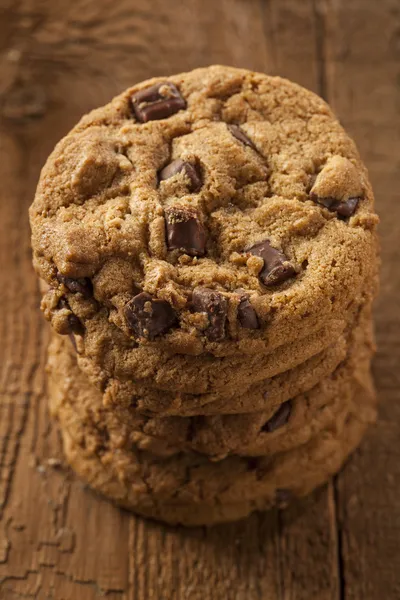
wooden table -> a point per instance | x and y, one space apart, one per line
58 540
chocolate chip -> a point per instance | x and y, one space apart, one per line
283 497
148 317
77 286
73 341
276 267
247 316
279 418
215 305
74 324
343 208
178 166
241 136
158 101
185 231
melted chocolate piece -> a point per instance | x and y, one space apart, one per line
185 231
215 305
279 418
148 317
276 267
156 102
74 324
343 208
247 315
73 341
179 165
82 285
241 136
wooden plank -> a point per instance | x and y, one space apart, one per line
308 551
51 529
362 76
291 29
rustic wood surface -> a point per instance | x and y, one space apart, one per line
58 540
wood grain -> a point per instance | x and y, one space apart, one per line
363 74
57 539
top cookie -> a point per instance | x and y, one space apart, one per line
202 212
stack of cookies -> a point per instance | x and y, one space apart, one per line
208 248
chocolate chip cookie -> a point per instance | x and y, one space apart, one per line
258 396
280 426
212 213
255 397
210 385
187 488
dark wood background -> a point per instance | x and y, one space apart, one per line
60 58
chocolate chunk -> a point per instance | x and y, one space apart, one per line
215 305
77 286
148 317
247 316
179 166
343 208
283 497
241 136
74 324
279 418
276 267
185 231
73 341
158 101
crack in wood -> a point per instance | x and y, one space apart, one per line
320 11
339 542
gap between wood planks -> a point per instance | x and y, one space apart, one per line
320 11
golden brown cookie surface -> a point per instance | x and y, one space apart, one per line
187 488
